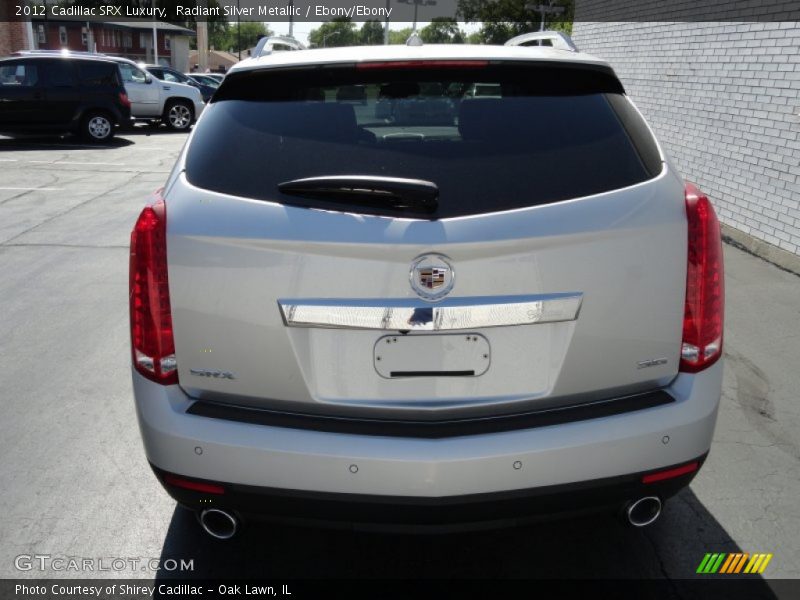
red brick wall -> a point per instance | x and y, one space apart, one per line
12 31
74 40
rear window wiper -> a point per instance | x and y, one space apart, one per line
386 192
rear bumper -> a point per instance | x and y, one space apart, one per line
258 462
428 515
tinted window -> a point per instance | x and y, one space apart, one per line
171 77
97 73
60 74
19 74
131 74
491 139
206 80
167 75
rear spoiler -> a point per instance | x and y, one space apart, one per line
266 44
557 39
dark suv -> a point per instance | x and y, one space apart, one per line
172 76
80 95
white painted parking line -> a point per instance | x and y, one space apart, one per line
79 162
38 189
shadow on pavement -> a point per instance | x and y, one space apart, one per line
59 142
73 142
599 547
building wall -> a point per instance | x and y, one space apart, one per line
13 34
135 44
217 62
724 100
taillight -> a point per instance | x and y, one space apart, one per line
705 288
124 100
151 318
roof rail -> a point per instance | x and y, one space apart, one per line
557 39
265 44
62 52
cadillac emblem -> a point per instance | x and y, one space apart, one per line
432 277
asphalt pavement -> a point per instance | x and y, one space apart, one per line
74 481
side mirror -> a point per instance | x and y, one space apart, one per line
148 78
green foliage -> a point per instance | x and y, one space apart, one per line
475 38
371 33
400 36
504 19
442 30
246 37
337 32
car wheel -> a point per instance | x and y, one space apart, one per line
178 116
97 127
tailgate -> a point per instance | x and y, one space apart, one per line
600 282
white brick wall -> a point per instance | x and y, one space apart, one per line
724 100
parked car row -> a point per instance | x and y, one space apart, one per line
92 95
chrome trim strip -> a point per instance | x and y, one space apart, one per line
447 315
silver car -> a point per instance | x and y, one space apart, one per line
463 310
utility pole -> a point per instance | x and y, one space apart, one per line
202 40
417 4
155 38
545 9
386 29
291 18
239 29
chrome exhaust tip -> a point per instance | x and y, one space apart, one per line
644 511
218 523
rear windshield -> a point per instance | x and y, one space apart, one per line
491 137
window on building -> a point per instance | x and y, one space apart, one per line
41 35
167 42
62 35
127 39
84 36
143 40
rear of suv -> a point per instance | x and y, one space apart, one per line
62 94
433 309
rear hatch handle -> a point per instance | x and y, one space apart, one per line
371 190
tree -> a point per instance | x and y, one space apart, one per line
442 30
400 36
246 37
371 33
337 32
218 35
504 19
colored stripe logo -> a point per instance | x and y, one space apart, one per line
733 563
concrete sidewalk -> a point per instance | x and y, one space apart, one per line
751 482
